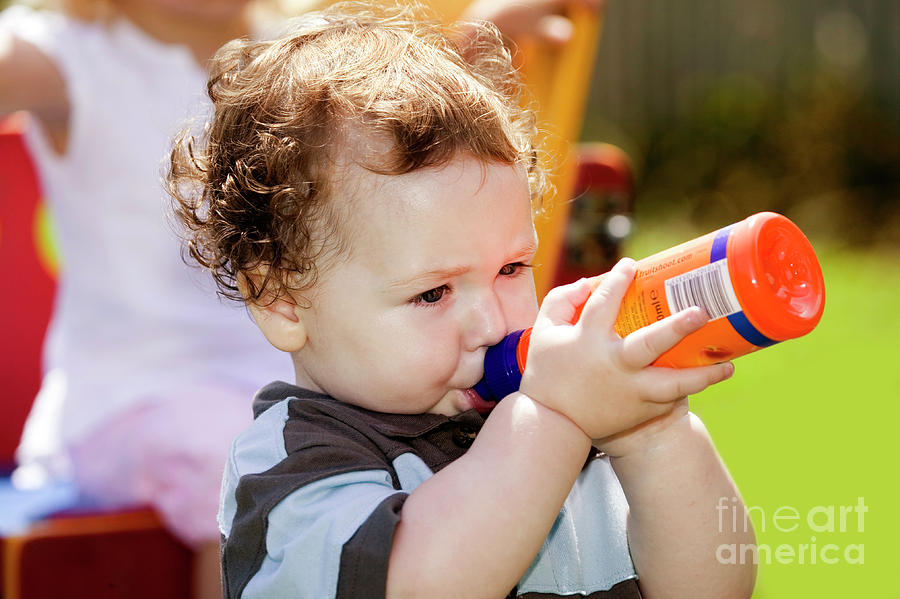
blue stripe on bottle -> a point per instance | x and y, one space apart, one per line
738 320
748 331
720 245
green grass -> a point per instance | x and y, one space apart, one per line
813 424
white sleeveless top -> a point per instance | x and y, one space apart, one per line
132 322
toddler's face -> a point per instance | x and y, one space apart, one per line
437 271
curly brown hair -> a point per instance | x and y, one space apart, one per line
252 190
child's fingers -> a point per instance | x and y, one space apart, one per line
643 346
561 303
603 305
668 384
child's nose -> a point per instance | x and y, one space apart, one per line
485 322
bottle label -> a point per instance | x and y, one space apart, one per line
708 287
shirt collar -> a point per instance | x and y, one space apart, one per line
393 425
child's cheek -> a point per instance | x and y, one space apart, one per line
435 356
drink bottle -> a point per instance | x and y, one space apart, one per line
759 280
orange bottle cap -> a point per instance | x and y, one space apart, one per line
776 276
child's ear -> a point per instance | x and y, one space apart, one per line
277 317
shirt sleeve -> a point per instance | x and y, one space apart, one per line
315 520
331 538
364 559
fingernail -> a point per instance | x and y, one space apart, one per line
729 370
696 316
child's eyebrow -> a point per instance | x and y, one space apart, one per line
429 275
526 252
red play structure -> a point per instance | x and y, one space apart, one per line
28 299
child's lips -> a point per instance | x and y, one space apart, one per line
481 406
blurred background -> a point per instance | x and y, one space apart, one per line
726 108
730 107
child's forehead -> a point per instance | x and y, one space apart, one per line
360 183
451 196
397 231
377 209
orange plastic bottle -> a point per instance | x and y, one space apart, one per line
759 280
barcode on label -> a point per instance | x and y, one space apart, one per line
708 287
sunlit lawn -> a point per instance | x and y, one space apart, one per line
813 424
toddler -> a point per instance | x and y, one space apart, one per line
367 187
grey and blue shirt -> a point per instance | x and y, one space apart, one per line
315 487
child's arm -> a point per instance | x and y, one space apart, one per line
677 488
29 80
475 527
672 475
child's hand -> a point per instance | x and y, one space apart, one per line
601 381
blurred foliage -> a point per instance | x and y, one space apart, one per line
728 108
821 152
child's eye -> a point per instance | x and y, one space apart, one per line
432 296
513 268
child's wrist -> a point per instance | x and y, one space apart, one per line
660 437
566 425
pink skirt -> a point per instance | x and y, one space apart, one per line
169 454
